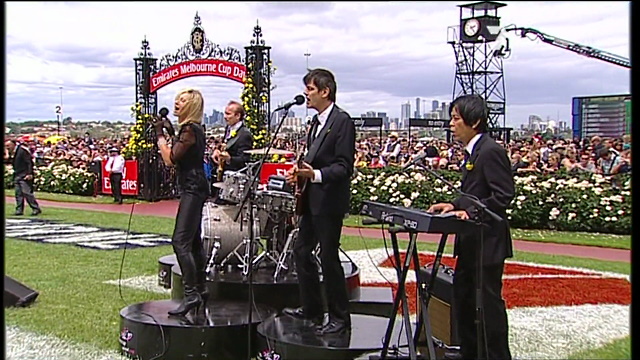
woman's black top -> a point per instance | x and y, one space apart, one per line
187 154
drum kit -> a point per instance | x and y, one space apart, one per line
254 226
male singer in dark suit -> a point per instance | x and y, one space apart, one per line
326 169
486 174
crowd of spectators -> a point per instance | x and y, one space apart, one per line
608 156
82 153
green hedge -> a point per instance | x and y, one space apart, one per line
561 201
57 177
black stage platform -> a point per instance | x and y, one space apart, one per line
231 284
221 332
294 339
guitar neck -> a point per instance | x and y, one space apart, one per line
221 163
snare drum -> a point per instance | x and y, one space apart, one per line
233 188
273 201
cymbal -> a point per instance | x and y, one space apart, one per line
271 151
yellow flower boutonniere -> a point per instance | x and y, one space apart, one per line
233 133
469 166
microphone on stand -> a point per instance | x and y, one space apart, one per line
474 199
298 100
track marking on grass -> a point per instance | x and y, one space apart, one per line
24 345
144 282
92 237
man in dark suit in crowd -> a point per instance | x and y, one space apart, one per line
22 177
237 140
325 175
487 175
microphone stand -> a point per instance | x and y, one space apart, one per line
478 218
249 196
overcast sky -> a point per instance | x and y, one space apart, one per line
382 53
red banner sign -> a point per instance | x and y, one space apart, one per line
129 178
269 169
199 67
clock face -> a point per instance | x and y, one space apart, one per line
471 27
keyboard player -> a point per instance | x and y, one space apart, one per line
486 173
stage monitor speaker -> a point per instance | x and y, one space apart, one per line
17 294
441 313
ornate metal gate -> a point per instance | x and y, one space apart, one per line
197 57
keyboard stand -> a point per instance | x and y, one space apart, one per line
424 295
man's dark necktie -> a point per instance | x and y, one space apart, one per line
227 133
314 129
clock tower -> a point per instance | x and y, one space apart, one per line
478 69
481 22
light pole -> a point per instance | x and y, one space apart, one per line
61 111
307 54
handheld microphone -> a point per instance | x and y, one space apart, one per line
298 100
164 112
415 160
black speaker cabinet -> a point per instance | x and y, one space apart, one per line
441 313
17 294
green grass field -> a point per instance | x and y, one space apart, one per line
98 199
76 305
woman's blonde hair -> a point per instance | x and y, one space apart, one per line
193 109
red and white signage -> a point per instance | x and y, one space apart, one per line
199 67
129 178
269 169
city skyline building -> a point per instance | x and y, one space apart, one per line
405 113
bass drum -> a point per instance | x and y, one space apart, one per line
218 225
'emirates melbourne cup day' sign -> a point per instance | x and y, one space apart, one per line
211 67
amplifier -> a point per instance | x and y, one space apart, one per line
441 313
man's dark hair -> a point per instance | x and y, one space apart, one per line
322 79
472 108
239 109
603 152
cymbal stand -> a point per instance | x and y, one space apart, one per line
249 197
288 249
212 257
247 241
282 259
276 235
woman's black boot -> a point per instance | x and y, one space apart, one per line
192 300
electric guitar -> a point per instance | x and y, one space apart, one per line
221 162
301 184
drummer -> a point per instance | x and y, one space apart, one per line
237 140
